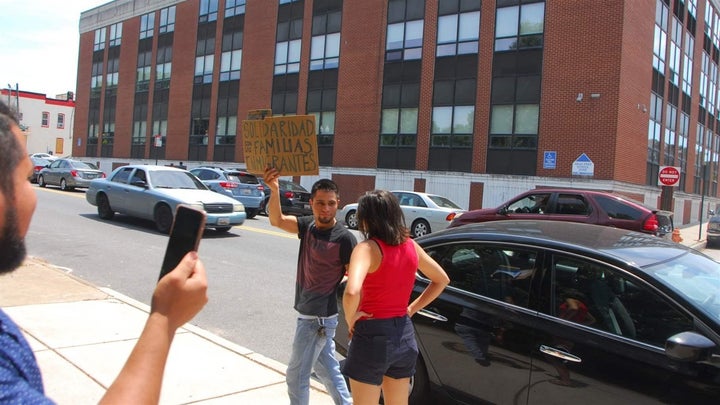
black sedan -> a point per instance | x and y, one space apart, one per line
547 312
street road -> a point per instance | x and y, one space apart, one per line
251 269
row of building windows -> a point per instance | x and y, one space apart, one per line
45 120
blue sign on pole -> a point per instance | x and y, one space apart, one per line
549 159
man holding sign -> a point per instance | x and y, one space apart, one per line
325 249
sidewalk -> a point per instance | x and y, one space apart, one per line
82 335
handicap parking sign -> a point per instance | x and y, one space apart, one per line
549 159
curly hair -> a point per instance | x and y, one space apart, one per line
10 150
379 216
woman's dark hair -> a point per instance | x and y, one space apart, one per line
11 154
379 216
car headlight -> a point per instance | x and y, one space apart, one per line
198 206
238 207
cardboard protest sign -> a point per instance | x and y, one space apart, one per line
288 143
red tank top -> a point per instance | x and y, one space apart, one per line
386 291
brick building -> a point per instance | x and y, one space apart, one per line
475 100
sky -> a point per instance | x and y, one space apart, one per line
39 42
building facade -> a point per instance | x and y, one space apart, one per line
475 100
47 123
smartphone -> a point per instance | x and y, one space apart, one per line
185 234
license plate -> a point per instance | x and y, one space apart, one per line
223 221
246 192
307 206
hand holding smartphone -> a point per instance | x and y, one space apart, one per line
187 229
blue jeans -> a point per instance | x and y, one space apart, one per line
315 348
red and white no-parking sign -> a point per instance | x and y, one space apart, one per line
669 176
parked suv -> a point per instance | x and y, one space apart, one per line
237 184
587 206
294 198
713 231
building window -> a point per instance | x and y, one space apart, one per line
452 126
203 69
61 121
139 134
167 20
45 119
97 75
519 27
234 7
514 126
147 25
458 33
163 67
404 41
115 34
325 47
226 130
670 134
688 49
208 11
144 69
287 57
112 72
231 58
325 51
99 39
660 37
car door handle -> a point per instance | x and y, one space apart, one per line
432 315
561 354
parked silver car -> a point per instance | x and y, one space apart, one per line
424 213
153 192
68 174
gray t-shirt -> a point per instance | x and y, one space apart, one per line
322 258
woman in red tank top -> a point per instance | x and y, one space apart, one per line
381 275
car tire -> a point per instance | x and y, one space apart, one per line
262 207
163 218
419 228
41 181
419 385
351 219
64 186
223 229
251 212
103 207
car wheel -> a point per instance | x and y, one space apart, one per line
251 212
41 181
103 207
223 229
351 219
63 185
262 207
419 228
163 218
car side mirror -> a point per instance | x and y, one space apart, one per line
503 210
689 347
139 183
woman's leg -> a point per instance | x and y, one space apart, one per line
367 394
395 390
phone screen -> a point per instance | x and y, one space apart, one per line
185 235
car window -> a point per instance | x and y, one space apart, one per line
530 204
492 271
605 298
204 174
618 209
443 202
416 201
122 175
572 204
175 179
246 178
139 175
82 165
56 164
288 185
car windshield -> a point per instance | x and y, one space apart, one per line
695 277
175 179
443 202
292 187
242 178
82 165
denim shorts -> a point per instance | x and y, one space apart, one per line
381 347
